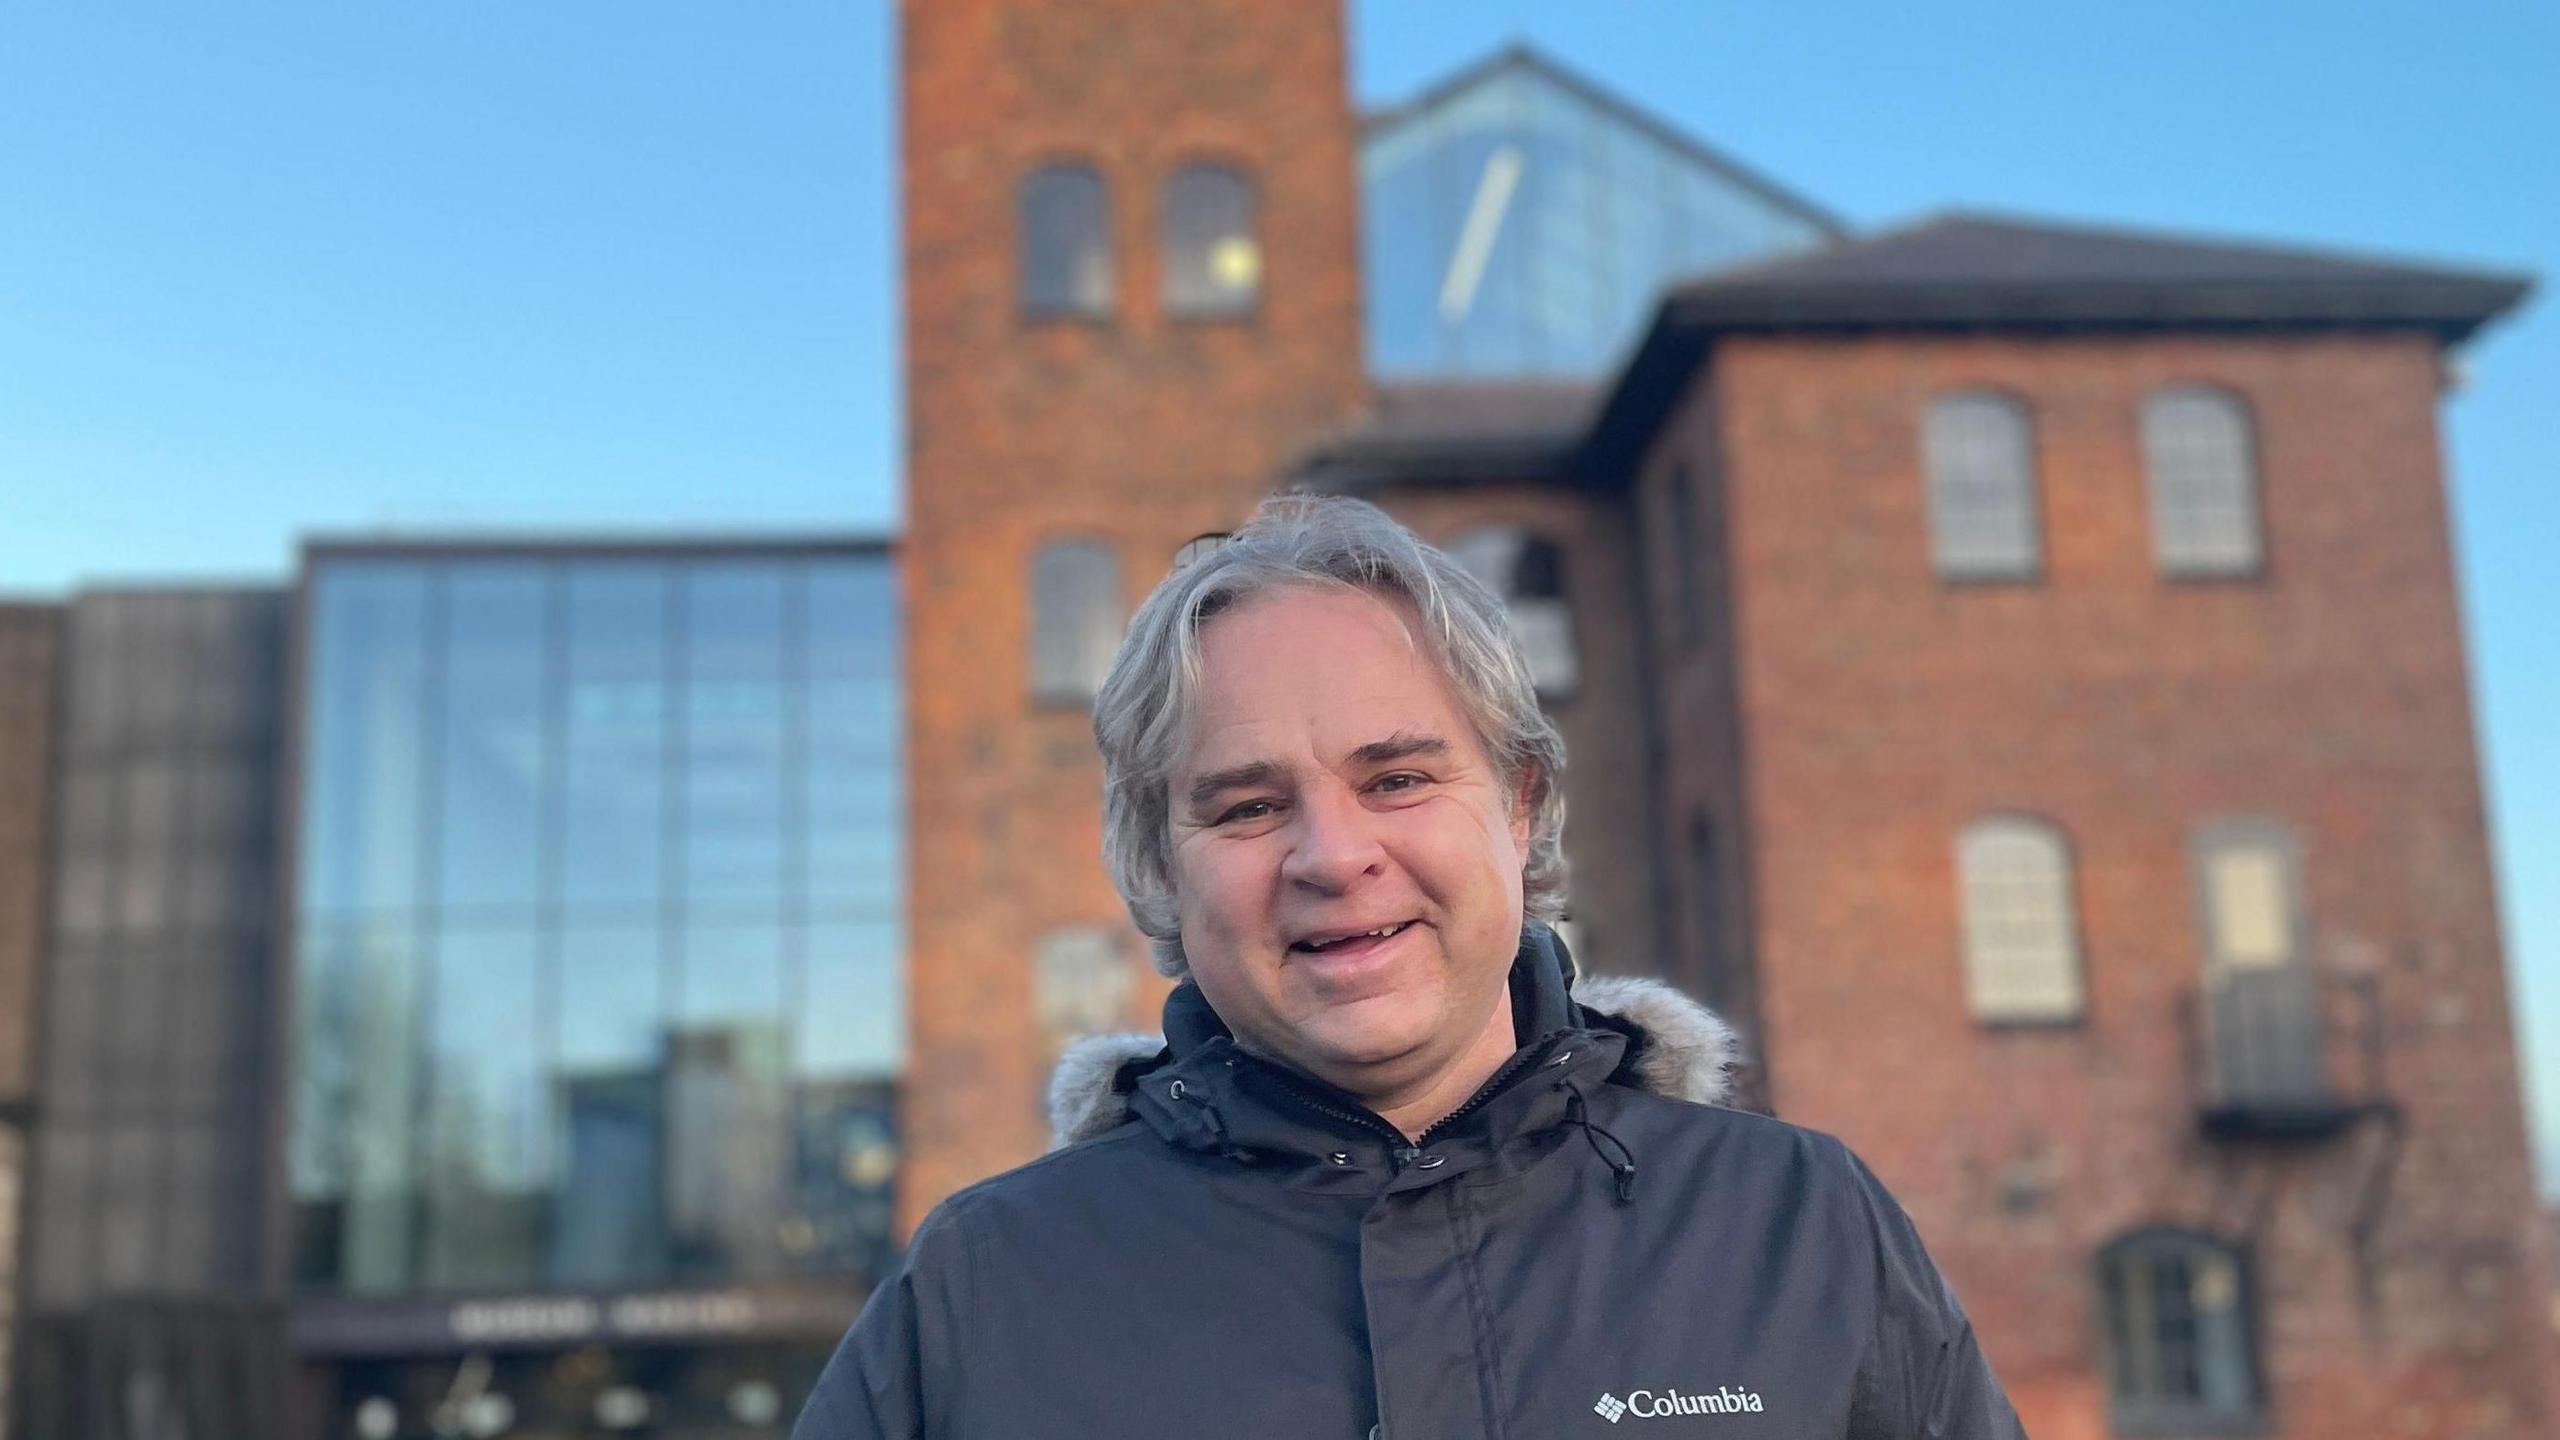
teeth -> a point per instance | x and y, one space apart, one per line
1362 935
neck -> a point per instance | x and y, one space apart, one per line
1415 1107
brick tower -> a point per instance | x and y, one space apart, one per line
1132 291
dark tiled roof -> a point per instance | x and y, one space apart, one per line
1968 272
1956 273
1455 432
1972 271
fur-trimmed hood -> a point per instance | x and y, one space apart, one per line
1676 1047
1275 1261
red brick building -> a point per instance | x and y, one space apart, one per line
2014 669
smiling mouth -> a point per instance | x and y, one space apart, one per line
1319 947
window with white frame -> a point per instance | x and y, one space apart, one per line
1075 619
1063 217
1527 571
2201 462
2021 937
2180 1349
1980 453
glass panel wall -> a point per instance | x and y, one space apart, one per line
1520 226
598 908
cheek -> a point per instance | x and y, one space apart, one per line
1221 886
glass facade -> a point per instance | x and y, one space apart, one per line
597 918
1517 224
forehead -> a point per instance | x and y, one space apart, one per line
1324 669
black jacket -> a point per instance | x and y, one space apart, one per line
1581 1250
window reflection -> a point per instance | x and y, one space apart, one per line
1064 231
491 756
856 799
614 724
726 1120
487 1142
854 1020
660 1040
383 1155
1212 260
368 701
735 723
1519 225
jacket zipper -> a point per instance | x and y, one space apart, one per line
1400 1151
1529 1055
1368 1122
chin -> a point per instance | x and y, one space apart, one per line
1364 1040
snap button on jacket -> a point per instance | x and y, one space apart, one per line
1590 1246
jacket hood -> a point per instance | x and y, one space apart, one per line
1674 1046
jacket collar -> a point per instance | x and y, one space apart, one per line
1198 1090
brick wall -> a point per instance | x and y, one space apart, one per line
1879 709
30 642
1139 429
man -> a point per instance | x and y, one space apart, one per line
1393 1171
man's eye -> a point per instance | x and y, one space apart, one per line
1249 810
1401 780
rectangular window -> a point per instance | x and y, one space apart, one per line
2022 956
2252 929
1980 454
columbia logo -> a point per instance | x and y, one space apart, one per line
1659 1404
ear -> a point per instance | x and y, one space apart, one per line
1524 801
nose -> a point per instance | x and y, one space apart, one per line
1335 841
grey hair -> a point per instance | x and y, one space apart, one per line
1142 716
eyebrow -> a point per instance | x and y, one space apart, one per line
1235 777
1403 745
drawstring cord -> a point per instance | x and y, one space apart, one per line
1577 1112
1227 1148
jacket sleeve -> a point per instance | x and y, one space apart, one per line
889 1379
1924 1378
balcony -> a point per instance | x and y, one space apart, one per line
2281 1055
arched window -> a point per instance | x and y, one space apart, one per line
1075 619
2181 1352
2203 469
2021 939
1082 980
1064 219
1212 258
1980 451
1528 573
2262 1007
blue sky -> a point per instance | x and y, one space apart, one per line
272 269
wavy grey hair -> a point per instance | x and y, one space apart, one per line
1142 717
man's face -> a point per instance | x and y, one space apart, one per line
1332 788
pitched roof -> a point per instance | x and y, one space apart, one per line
1973 272
1455 432
1970 271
